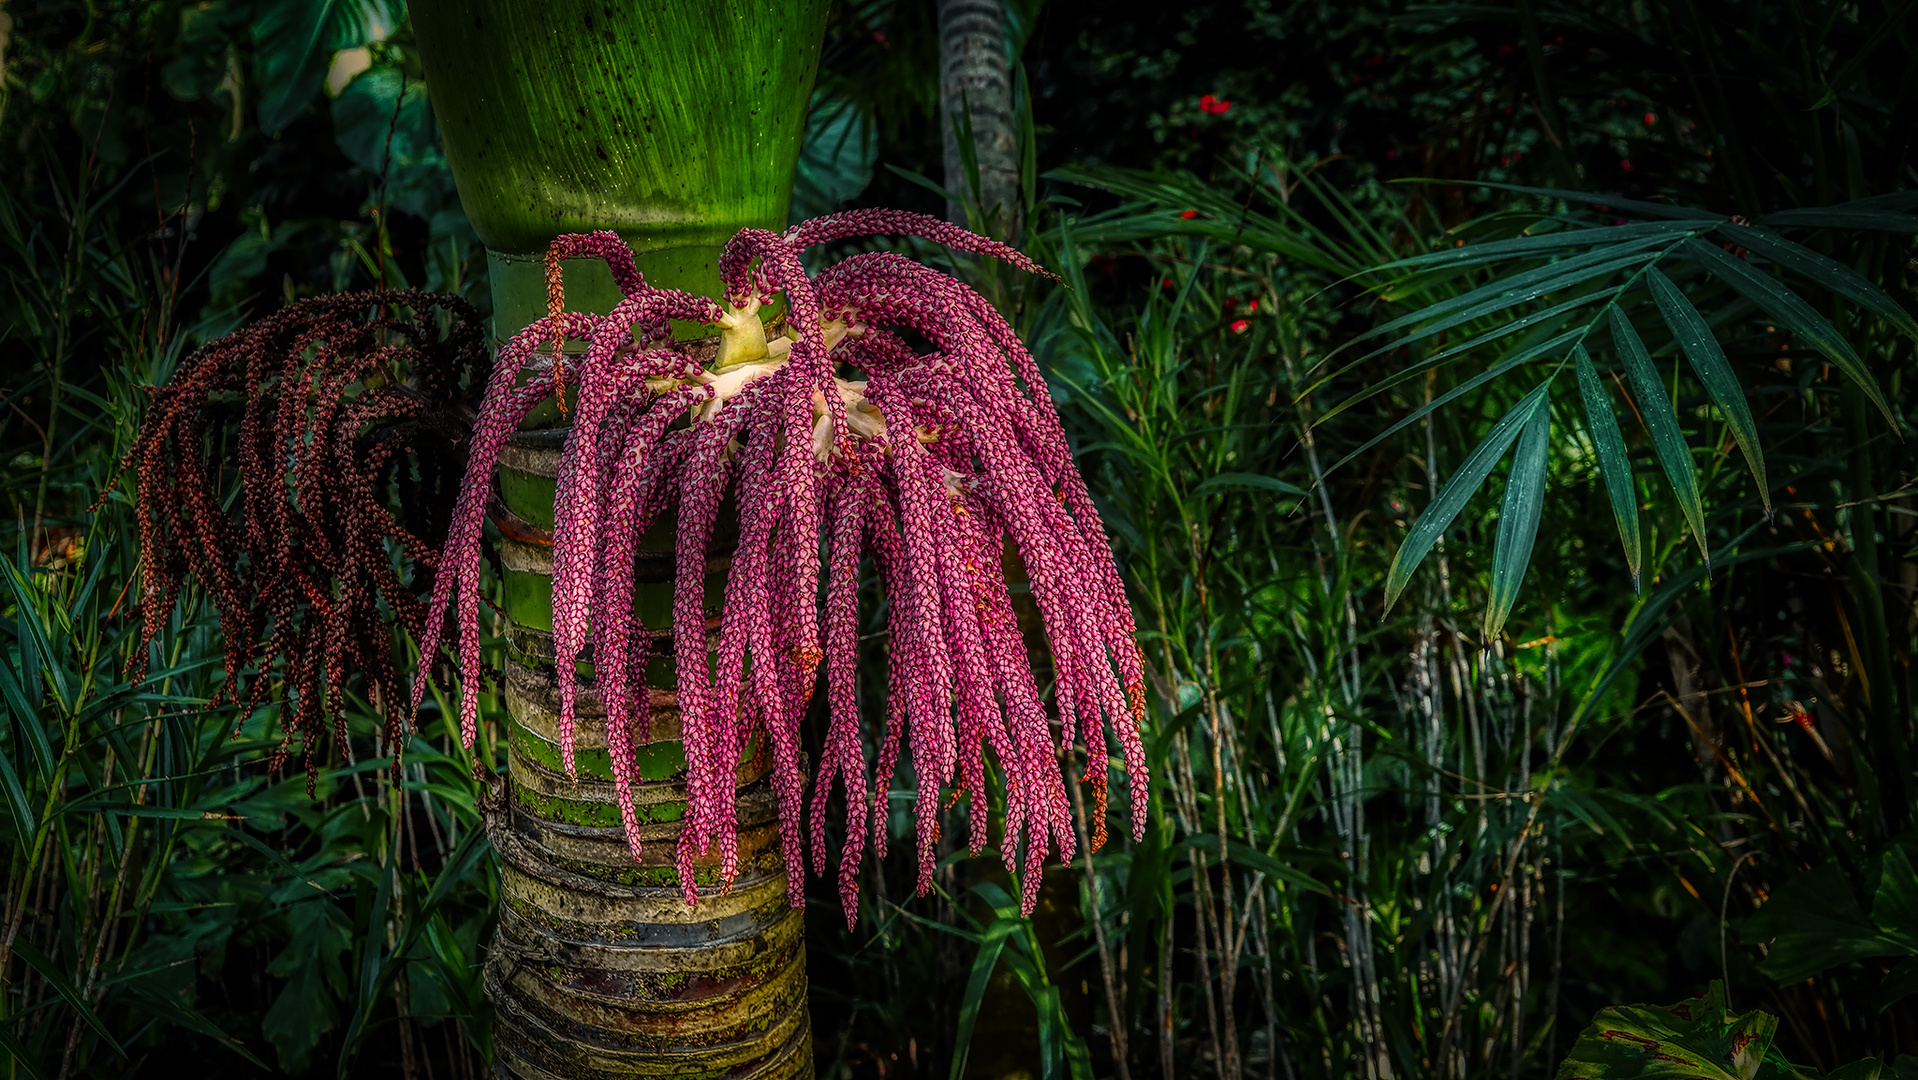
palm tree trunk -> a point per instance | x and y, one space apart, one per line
676 125
975 90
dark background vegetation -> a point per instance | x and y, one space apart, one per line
1708 781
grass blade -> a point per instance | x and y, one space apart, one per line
1239 481
57 979
1518 519
1613 463
1799 317
1708 361
983 962
19 1053
1668 440
17 800
1456 493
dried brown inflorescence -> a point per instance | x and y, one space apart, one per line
268 467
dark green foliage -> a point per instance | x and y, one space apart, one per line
1438 838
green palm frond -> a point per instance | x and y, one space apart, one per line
1660 289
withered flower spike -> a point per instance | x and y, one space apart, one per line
310 415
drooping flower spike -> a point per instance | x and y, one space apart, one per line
943 469
339 399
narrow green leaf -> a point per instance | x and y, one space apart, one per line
28 713
19 1053
1598 200
1456 493
1417 369
1518 519
1239 481
167 1006
1708 361
983 962
1613 463
1473 383
1668 441
1047 1014
57 979
1253 859
1824 271
1520 288
1839 218
1797 316
373 964
1533 246
17 800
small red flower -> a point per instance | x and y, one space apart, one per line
1625 163
1240 327
1213 105
1650 119
1253 306
879 36
1190 214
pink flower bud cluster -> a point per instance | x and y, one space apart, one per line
940 468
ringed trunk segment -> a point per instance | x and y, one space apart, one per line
600 969
675 124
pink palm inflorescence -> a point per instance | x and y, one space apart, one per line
934 467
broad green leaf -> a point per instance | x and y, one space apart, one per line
1238 481
1813 923
1708 361
57 979
983 962
1668 441
836 155
1696 1039
1614 464
1796 315
295 41
1518 519
1862 1069
1900 983
307 1005
1894 907
1457 492
1824 271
